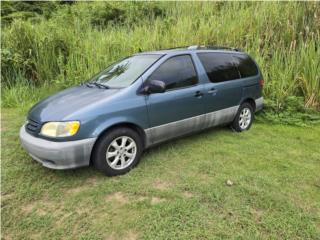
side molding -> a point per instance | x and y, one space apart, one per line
171 130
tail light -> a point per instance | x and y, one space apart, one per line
261 83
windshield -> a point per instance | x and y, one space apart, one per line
123 73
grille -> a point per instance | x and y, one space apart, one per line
33 126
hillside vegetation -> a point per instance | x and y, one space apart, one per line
49 46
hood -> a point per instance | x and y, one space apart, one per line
62 104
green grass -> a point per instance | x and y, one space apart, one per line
178 191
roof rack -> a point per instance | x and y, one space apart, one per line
204 47
173 48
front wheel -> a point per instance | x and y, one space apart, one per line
244 118
118 151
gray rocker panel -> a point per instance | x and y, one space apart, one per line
167 131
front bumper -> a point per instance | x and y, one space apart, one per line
57 155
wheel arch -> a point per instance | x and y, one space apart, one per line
130 125
251 101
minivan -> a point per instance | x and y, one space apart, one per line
140 101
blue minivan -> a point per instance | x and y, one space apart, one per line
140 101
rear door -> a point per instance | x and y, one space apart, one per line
223 90
250 76
175 112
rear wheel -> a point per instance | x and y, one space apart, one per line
244 118
118 151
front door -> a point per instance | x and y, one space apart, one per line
176 111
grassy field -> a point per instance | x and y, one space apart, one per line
178 191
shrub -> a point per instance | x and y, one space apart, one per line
80 39
106 14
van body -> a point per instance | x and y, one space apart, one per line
140 101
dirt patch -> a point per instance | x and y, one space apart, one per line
3 129
88 184
61 221
92 181
111 237
6 197
119 197
187 194
161 185
140 198
28 208
36 236
257 215
131 236
43 207
41 212
204 178
6 236
156 200
76 190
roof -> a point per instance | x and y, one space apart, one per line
194 48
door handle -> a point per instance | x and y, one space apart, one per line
198 94
213 90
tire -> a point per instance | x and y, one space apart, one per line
117 151
244 118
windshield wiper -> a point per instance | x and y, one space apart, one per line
87 84
99 85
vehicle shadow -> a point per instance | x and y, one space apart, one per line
90 170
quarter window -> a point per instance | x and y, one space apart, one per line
245 65
219 66
176 72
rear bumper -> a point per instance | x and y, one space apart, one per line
259 104
57 155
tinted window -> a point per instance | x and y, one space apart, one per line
176 72
246 65
126 71
219 66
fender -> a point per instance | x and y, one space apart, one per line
115 121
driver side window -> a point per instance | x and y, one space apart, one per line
176 72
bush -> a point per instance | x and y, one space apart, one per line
107 14
18 55
80 39
291 111
11 11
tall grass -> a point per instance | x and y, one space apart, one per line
74 43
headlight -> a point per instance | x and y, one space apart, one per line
60 129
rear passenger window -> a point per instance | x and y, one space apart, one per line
245 65
219 66
176 72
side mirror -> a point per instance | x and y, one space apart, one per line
154 86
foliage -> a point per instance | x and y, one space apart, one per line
23 10
74 41
290 112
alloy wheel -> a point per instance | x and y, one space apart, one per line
244 118
121 152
